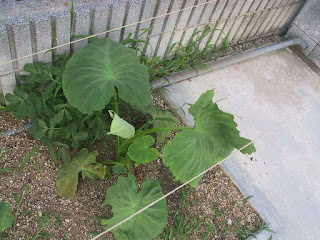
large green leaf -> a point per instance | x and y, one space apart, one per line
6 217
84 162
160 119
125 201
140 151
212 139
93 72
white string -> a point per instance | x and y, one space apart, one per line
210 168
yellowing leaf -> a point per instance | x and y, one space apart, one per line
84 162
120 127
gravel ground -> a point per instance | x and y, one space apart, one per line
78 215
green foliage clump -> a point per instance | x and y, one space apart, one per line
77 101
40 97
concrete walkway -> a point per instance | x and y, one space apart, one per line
284 175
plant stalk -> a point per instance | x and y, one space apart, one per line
116 110
126 143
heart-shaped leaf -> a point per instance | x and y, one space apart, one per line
92 74
212 139
125 201
84 162
140 151
120 127
6 217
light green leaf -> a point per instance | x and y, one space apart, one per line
29 68
119 169
125 201
212 139
58 117
92 74
41 132
160 119
81 136
140 151
84 162
6 217
120 127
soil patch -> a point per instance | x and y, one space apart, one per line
215 193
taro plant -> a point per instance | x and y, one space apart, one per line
106 73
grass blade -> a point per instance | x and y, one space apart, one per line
16 198
36 162
28 157
53 154
3 170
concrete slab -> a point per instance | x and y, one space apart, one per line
283 175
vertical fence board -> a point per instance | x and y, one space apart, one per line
172 19
291 10
7 78
253 20
81 27
158 22
246 20
282 15
164 44
219 11
62 23
42 37
149 10
245 9
22 44
267 18
275 14
132 17
117 18
100 20
230 22
228 13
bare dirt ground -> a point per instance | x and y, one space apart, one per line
216 197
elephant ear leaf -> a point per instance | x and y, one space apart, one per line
94 72
160 119
6 216
140 151
84 162
212 139
125 201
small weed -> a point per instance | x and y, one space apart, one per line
29 156
19 202
225 44
44 222
3 153
245 231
